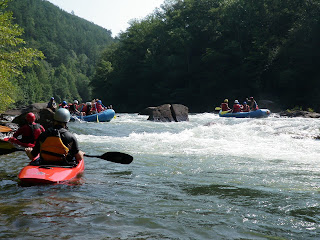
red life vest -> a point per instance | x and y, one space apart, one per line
246 108
97 107
236 108
29 133
224 107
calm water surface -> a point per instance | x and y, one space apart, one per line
209 178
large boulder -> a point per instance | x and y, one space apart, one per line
180 112
35 108
21 119
147 111
43 116
46 117
167 113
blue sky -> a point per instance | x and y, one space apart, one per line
113 15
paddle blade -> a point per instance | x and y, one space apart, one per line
7 147
7 151
218 108
5 129
116 157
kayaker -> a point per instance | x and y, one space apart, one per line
29 132
245 107
236 107
224 106
56 146
52 104
253 104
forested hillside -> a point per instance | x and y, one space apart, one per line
71 46
193 52
198 52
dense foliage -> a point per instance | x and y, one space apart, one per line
71 46
198 52
13 57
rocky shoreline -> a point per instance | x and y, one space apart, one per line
299 113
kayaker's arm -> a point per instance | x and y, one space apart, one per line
28 152
79 155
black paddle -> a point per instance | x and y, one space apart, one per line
116 157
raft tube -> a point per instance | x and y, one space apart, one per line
260 113
104 116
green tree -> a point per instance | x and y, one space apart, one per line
13 57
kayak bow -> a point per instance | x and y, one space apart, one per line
47 174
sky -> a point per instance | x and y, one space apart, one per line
113 15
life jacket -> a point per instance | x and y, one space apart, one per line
36 130
255 106
96 108
224 107
72 108
246 108
236 108
63 106
53 149
35 133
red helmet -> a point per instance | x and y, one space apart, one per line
30 117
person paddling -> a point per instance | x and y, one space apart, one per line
224 106
245 107
236 107
29 132
52 104
64 104
73 108
97 107
56 146
253 104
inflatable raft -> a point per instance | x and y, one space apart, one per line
260 113
104 116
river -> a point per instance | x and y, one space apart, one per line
209 178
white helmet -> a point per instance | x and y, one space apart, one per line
62 115
236 101
75 101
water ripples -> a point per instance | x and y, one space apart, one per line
209 178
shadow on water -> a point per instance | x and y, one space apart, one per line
5 176
123 173
227 191
310 214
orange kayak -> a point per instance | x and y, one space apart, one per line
48 174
